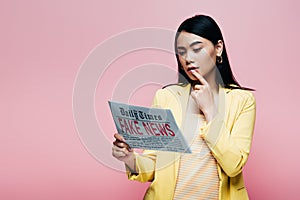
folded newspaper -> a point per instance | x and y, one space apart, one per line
148 128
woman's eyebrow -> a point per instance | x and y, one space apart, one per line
191 45
180 47
194 43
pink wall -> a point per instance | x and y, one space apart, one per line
44 43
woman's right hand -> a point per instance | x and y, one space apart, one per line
122 151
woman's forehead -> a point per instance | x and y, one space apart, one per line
186 38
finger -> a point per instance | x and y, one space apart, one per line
118 154
117 149
119 137
121 144
120 151
194 95
199 77
198 87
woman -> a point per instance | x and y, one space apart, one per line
215 114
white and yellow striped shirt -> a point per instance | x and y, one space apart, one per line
198 176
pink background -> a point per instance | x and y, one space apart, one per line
44 42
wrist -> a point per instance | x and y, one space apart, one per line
130 164
210 114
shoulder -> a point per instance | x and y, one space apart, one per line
176 86
244 98
237 91
241 93
173 89
170 94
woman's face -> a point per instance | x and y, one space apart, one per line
197 53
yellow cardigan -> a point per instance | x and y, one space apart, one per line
228 135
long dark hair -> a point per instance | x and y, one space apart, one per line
204 26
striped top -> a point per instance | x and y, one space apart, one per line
198 175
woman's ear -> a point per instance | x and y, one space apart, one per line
219 48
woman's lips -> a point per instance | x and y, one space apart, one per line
192 68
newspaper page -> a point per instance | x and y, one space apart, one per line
148 128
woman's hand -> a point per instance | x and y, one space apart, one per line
204 97
122 151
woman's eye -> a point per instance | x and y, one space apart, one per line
197 50
181 53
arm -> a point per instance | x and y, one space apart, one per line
144 167
122 151
230 143
138 167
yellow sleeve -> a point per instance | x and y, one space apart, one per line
230 144
145 167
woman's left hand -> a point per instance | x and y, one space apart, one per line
204 97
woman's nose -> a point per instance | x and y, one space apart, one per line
189 57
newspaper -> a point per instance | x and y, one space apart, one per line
148 128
